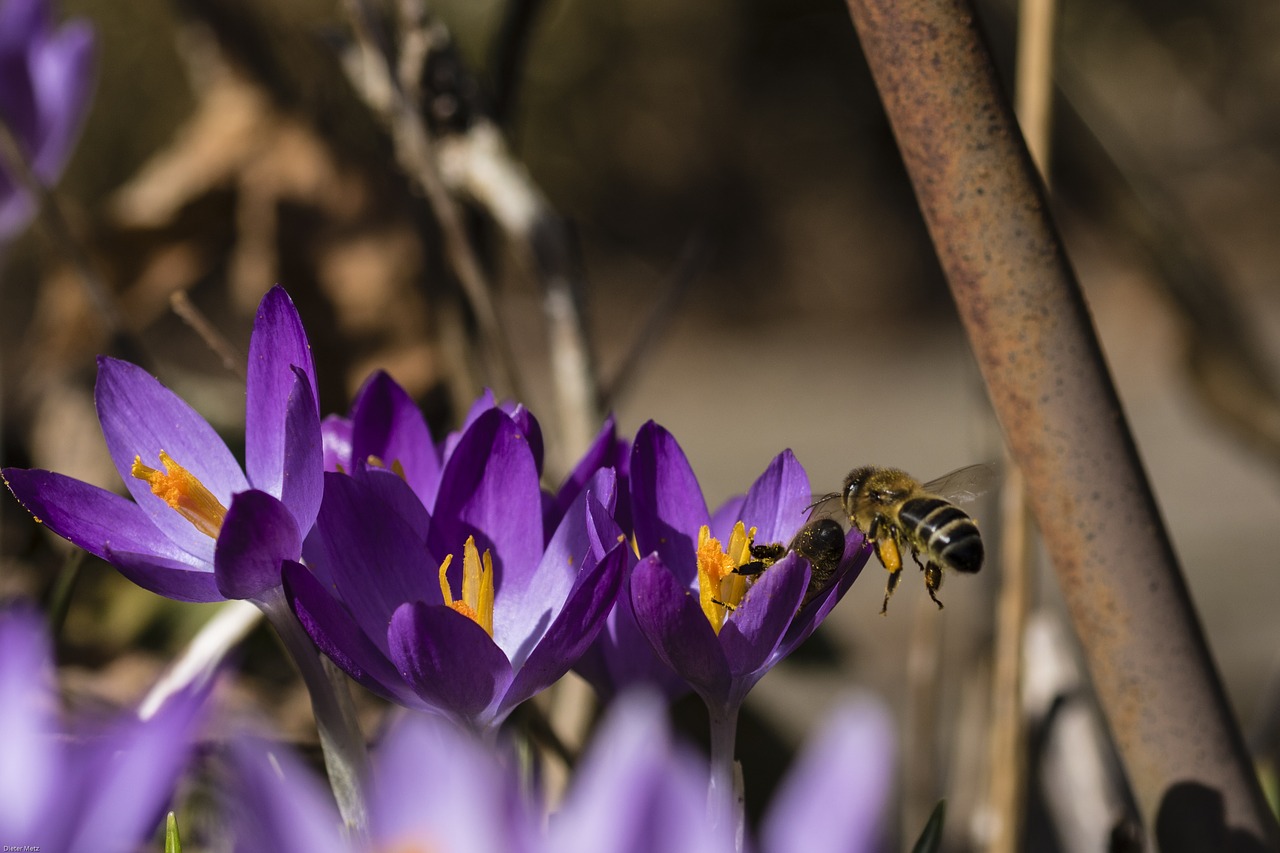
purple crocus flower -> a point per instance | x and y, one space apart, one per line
199 528
431 787
720 632
463 611
99 789
46 78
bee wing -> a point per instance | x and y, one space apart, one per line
964 485
828 506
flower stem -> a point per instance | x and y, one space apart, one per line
725 797
345 755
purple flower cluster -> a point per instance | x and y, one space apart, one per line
443 577
434 788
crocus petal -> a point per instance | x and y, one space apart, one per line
130 777
257 535
726 516
62 74
531 600
490 490
856 553
666 501
396 494
303 484
636 791
335 434
484 403
337 635
673 622
32 769
93 518
141 417
601 454
388 424
834 799
450 661
529 427
578 622
777 502
369 555
169 578
277 804
754 629
462 807
277 345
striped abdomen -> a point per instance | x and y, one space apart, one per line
942 533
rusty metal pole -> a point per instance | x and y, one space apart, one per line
1052 392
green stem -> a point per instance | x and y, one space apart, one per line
345 755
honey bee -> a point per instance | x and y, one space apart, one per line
897 512
820 541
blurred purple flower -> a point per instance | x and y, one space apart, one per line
87 790
719 632
46 78
463 610
202 529
637 790
432 787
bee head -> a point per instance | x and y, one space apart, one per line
853 486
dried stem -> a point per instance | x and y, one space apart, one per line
1049 384
213 339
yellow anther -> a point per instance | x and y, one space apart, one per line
477 586
180 489
720 588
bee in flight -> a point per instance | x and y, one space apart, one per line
897 513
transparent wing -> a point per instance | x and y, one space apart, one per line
828 506
965 484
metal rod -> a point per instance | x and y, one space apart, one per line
1051 390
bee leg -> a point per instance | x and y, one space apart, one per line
753 568
932 581
894 577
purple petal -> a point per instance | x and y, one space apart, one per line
753 630
636 791
724 518
396 494
666 501
33 765
530 601
450 661
577 624
601 454
276 803
672 620
62 71
529 427
277 345
836 796
337 635
856 554
466 806
258 534
303 485
778 501
130 775
23 21
484 403
369 556
93 518
141 417
490 490
388 424
335 434
169 578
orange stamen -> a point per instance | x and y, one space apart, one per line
180 489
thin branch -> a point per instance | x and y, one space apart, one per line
213 339
510 48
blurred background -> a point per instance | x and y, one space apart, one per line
728 209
